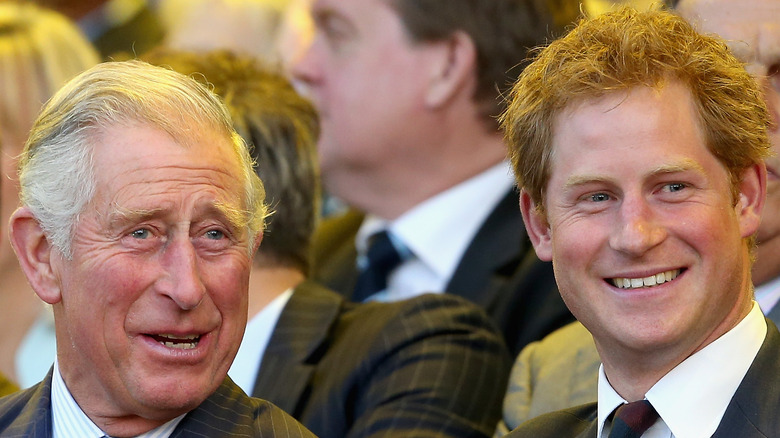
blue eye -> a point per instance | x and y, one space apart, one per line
142 233
215 234
675 187
599 197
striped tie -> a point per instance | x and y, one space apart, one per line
633 419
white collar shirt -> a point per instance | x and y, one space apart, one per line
258 333
692 398
435 234
69 421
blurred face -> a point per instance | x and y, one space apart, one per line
154 301
752 29
367 80
646 242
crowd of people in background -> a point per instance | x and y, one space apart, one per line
350 218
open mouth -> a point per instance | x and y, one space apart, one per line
187 342
653 280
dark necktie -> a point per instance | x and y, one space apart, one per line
633 419
382 258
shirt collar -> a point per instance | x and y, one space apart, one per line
459 211
258 333
69 421
707 389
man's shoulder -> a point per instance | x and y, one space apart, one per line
230 412
571 422
21 411
428 313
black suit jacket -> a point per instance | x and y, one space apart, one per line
752 412
499 272
432 366
227 412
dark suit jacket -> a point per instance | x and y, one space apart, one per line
227 412
752 412
499 272
432 366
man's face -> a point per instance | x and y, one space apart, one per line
752 29
154 301
367 79
646 242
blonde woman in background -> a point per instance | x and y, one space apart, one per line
39 51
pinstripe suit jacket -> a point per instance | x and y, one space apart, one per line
499 272
227 412
432 366
752 412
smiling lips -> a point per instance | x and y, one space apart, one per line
187 342
653 280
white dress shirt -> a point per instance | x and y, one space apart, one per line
692 398
258 333
437 233
69 421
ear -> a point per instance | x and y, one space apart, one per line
536 226
34 253
752 195
256 242
452 70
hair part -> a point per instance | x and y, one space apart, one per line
56 172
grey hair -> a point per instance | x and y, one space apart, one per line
56 173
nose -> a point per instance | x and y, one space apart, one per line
183 283
637 231
771 88
305 67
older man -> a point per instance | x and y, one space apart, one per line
561 370
140 213
428 366
639 147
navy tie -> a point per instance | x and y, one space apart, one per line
633 419
382 258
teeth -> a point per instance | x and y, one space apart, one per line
179 342
180 345
185 338
634 283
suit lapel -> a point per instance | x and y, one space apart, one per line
334 254
498 246
753 409
292 353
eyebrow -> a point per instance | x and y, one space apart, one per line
237 218
683 165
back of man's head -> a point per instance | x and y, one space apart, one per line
280 128
503 32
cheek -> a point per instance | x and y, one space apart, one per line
227 282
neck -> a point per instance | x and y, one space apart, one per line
389 191
267 282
